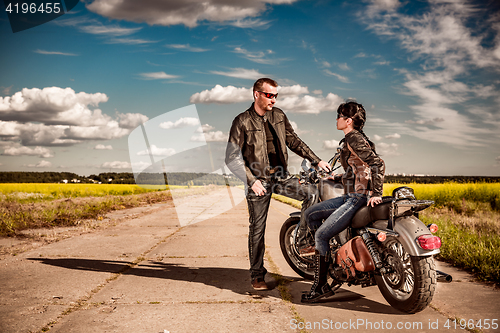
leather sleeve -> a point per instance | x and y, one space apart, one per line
234 156
298 146
368 156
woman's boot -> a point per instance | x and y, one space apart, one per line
320 288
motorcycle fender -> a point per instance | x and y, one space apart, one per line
409 229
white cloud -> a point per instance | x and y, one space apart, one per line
181 123
55 116
158 76
116 165
53 105
386 149
100 29
41 164
296 128
186 47
258 57
250 23
454 40
205 128
338 76
155 151
113 34
310 104
21 150
344 67
216 136
241 13
110 131
130 41
241 73
131 120
393 136
377 137
222 95
103 147
330 144
291 98
55 53
296 89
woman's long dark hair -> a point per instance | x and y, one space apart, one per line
357 113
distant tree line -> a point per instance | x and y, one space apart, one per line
439 179
185 178
175 178
40 177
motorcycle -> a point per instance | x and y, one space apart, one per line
386 245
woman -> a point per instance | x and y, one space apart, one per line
364 173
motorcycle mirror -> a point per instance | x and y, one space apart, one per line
304 165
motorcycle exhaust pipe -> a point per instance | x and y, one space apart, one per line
443 277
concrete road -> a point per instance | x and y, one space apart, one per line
148 274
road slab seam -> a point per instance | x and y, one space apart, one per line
282 285
83 303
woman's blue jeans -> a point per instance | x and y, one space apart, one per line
338 213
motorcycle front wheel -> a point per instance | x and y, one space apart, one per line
302 266
411 281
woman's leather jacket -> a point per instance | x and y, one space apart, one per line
364 169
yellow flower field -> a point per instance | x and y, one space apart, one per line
445 194
34 191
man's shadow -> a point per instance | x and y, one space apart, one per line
234 279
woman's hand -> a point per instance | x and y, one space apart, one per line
324 166
374 201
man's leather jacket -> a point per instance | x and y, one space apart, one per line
246 153
364 169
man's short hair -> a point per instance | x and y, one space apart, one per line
257 86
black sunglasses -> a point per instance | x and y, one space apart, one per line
269 95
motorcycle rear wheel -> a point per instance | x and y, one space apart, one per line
302 266
411 284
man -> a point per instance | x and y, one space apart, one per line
257 154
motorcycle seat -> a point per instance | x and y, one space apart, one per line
368 214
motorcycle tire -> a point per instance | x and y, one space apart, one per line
302 266
411 284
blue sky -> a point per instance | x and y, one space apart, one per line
72 90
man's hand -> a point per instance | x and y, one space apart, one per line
374 201
324 165
258 189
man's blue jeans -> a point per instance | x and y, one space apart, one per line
258 207
338 213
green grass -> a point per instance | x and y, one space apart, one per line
475 251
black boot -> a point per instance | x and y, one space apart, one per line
306 245
320 288
302 236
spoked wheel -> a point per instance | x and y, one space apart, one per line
302 266
410 282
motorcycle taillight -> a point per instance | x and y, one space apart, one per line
429 242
